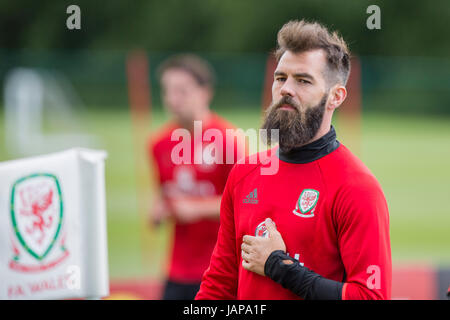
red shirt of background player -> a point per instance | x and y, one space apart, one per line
192 243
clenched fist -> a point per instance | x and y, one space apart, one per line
256 250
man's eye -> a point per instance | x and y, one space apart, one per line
280 79
304 81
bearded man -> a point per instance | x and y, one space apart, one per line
319 227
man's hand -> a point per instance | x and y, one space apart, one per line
183 209
159 212
186 210
256 250
189 210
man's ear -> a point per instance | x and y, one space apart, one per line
338 93
208 94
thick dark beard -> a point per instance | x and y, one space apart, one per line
294 130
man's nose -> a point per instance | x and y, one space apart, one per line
287 89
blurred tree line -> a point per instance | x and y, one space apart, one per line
405 65
417 28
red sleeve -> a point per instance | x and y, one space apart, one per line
237 148
220 279
363 235
153 162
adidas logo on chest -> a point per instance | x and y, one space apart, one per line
252 197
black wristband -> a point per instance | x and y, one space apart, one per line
300 280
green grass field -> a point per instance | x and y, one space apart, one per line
410 155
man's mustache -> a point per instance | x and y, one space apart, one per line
286 100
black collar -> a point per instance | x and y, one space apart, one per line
311 151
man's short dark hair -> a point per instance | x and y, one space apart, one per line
300 36
197 67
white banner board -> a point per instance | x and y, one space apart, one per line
53 242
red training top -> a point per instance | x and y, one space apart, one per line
330 211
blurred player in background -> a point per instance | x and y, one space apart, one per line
189 193
319 227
